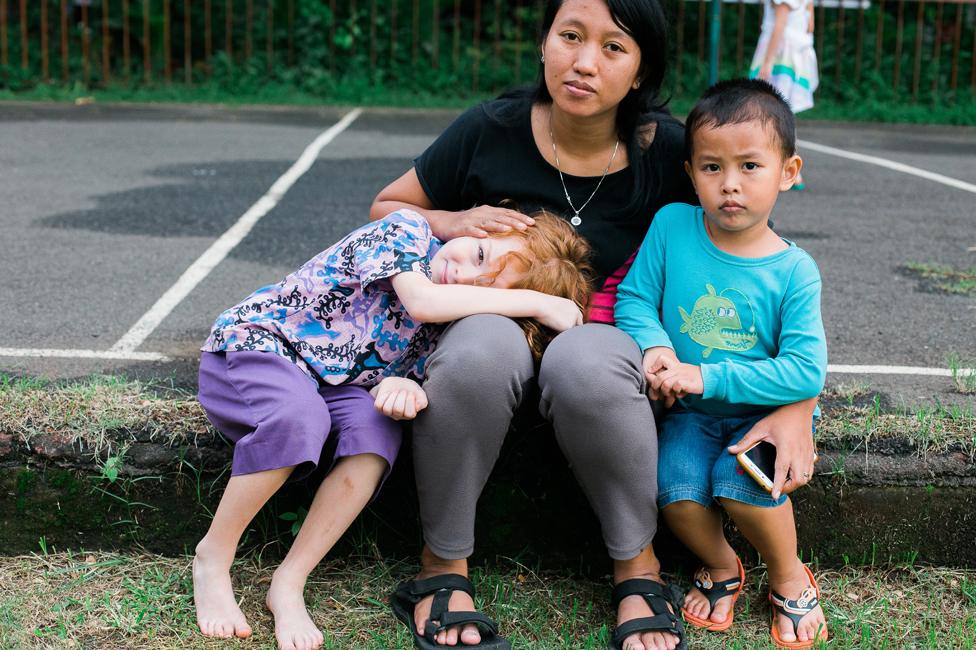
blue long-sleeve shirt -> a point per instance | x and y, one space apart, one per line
752 324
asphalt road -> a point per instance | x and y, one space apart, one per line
105 207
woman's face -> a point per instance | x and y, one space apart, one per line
590 62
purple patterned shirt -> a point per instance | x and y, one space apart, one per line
337 317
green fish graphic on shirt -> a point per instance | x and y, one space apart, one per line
714 323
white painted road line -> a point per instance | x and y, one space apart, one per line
897 370
882 162
152 356
82 354
226 243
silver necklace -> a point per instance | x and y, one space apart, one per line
576 220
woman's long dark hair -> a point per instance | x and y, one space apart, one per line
646 22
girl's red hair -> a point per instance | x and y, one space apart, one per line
555 260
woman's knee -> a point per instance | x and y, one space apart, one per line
593 365
480 353
592 353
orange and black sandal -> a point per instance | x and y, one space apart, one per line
795 610
715 591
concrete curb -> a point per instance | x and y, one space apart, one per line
145 454
884 498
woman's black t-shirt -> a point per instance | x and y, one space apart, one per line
482 160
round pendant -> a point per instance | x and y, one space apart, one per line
576 220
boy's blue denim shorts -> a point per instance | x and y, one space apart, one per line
694 463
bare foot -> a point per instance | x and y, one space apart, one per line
696 603
217 612
797 587
460 601
633 607
294 628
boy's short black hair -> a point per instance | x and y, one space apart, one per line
743 100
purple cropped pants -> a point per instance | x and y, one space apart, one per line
277 416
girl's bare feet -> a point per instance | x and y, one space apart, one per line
792 587
294 628
460 601
213 595
697 604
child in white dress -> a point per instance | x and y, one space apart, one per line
784 55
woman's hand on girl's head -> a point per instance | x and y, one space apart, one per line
558 314
790 429
481 221
399 398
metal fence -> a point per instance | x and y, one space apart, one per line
919 50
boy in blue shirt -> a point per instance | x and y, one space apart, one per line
727 314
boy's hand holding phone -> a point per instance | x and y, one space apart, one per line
759 461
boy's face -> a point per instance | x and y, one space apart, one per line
738 171
470 260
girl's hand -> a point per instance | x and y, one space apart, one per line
676 382
399 398
479 222
790 429
557 313
766 71
656 359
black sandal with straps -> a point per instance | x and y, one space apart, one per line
664 599
410 592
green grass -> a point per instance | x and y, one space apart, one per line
960 113
144 601
932 428
96 599
270 93
103 412
106 413
360 93
963 373
944 278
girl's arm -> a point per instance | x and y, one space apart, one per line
782 12
442 303
810 24
407 192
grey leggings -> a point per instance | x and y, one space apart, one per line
592 391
